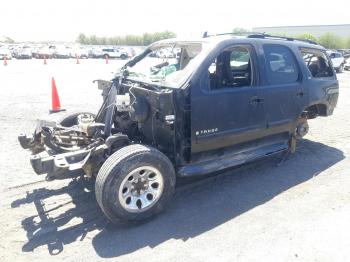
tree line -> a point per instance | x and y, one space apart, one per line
132 40
328 40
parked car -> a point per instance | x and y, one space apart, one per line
163 53
80 52
62 53
14 51
223 102
114 53
4 52
95 53
344 52
44 52
131 51
347 64
24 53
338 60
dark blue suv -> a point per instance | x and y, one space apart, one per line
211 104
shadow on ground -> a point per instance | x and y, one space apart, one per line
197 207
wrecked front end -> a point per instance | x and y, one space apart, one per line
65 144
138 108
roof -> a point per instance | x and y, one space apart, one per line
253 37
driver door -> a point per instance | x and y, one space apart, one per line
227 107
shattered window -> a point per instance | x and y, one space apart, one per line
168 63
317 62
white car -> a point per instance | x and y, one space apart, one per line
62 52
95 52
114 53
338 60
347 64
4 52
24 53
80 52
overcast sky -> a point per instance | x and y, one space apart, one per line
63 20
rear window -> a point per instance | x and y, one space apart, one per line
281 65
317 62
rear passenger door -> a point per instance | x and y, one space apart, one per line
282 89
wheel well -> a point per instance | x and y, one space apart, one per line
316 110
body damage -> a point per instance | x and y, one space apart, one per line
194 108
177 113
148 119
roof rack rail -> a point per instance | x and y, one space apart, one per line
232 33
264 36
277 37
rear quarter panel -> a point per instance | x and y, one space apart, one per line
321 90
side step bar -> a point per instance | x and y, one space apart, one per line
228 161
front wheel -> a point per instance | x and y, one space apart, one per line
134 184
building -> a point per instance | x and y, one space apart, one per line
316 30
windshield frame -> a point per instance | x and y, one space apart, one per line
187 71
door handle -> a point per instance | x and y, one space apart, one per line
300 94
255 100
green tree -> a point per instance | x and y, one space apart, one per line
145 39
307 36
239 30
331 41
347 43
82 39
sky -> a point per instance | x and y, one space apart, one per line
41 20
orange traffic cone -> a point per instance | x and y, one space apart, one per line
106 59
5 61
77 57
45 63
56 104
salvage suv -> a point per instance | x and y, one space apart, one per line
222 101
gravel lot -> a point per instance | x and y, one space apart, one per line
299 211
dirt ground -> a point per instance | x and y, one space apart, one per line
299 211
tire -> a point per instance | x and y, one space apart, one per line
123 57
116 170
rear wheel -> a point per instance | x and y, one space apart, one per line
135 183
